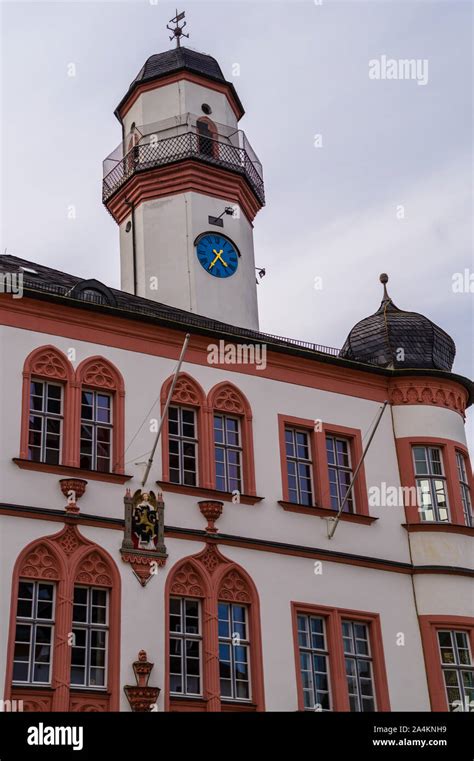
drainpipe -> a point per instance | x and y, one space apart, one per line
134 253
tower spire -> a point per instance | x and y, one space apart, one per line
177 29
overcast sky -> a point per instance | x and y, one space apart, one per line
304 71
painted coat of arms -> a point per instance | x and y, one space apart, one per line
143 544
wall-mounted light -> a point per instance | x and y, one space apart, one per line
218 221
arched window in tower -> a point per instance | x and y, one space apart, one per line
46 407
131 158
207 137
101 415
232 464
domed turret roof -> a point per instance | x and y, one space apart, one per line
180 58
394 338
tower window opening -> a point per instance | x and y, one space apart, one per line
206 134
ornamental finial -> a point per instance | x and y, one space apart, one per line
177 29
384 280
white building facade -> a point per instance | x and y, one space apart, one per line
250 606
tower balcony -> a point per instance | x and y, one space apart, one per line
185 137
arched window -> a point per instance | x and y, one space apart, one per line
132 158
187 611
232 463
47 410
64 584
100 410
213 636
207 137
184 434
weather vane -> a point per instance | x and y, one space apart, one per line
177 30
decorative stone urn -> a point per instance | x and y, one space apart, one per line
73 489
140 696
211 510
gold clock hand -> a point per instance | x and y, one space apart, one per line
217 256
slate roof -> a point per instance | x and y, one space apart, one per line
380 337
179 59
58 286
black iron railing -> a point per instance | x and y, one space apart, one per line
186 146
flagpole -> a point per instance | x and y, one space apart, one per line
335 521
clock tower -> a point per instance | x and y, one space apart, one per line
184 186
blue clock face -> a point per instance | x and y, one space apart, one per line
217 255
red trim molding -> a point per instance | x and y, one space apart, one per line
210 577
157 341
209 84
63 470
429 627
320 465
67 558
333 618
448 448
196 491
442 528
322 512
432 391
278 548
182 177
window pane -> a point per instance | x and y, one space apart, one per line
20 672
421 464
41 672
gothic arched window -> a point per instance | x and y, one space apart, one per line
47 409
184 439
64 585
213 636
232 464
100 412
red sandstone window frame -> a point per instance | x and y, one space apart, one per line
333 618
458 449
98 374
448 449
188 393
223 398
320 474
67 559
211 577
47 363
429 627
